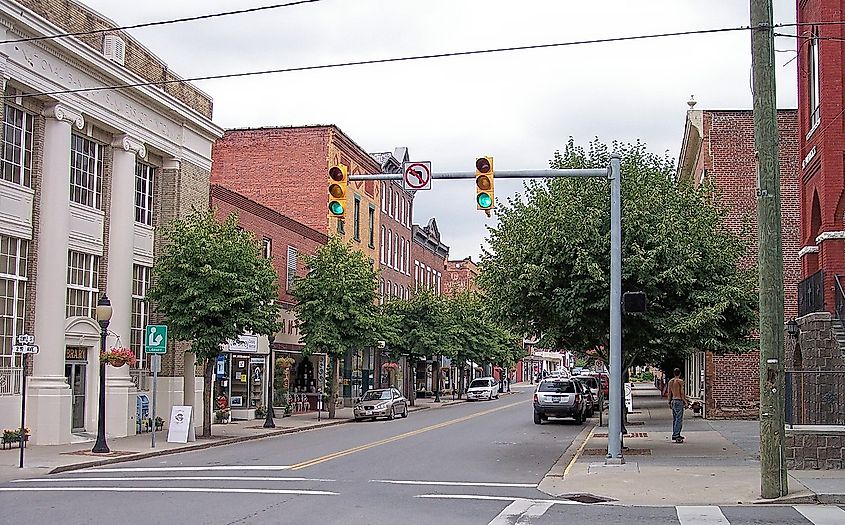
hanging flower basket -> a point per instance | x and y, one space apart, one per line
390 366
118 357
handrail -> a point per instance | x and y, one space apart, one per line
840 301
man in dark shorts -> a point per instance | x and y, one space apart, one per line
677 400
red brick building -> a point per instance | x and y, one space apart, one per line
396 216
821 125
429 255
718 147
286 169
460 276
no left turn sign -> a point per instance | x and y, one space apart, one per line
416 175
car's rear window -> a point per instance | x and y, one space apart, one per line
558 387
479 383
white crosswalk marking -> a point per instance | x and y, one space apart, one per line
822 514
167 478
703 515
456 483
514 513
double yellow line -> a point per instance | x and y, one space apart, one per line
360 448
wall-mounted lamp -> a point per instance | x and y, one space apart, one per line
792 328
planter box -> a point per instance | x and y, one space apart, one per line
15 443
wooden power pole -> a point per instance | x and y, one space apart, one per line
773 481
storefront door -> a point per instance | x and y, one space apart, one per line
75 370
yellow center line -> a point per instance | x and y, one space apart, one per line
578 453
360 448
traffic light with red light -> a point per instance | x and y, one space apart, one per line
338 179
484 199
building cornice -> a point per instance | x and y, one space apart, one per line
127 143
807 249
827 236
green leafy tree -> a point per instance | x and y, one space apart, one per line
212 285
549 262
336 306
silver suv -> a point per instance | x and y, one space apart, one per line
560 398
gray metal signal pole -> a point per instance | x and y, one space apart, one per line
613 173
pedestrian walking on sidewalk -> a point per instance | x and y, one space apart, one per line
677 401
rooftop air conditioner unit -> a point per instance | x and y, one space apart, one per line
114 48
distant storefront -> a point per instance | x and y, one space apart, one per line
241 376
306 374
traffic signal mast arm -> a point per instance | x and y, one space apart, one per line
500 174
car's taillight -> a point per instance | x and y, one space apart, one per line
577 398
536 399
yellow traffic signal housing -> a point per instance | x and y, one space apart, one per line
338 180
484 199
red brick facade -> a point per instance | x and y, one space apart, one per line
821 53
396 279
718 147
286 169
460 275
429 256
282 233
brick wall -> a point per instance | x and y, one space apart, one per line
814 449
73 17
395 217
266 223
424 253
459 276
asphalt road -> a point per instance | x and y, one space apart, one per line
464 464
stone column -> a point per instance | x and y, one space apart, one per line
49 410
120 390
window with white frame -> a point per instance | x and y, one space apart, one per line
381 246
17 145
83 277
86 171
416 273
389 247
267 248
813 70
381 291
291 267
144 175
383 193
13 281
140 311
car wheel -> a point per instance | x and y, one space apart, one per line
405 412
390 415
538 420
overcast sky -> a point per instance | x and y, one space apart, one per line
518 107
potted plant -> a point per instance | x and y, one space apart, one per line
260 411
223 415
282 386
13 435
159 423
118 357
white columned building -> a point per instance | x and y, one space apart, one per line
88 180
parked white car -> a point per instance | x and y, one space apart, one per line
483 388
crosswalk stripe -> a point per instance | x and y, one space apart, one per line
515 509
169 489
456 483
188 469
169 478
701 515
495 498
822 514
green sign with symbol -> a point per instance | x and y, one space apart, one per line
155 339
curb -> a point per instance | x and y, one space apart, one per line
804 498
198 446
568 455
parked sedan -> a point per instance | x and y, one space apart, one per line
483 388
383 402
559 398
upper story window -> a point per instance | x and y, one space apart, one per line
291 267
141 279
383 194
17 146
267 248
356 218
13 281
144 174
86 171
83 277
813 73
371 225
381 246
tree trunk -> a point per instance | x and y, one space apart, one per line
333 386
461 381
413 382
207 391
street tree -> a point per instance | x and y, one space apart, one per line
336 306
212 285
549 261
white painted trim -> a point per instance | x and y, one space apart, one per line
807 249
826 236
63 112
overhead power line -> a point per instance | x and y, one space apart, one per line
161 22
401 59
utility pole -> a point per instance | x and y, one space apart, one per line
773 481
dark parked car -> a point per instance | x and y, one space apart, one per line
559 398
384 402
590 396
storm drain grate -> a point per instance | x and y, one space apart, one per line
586 498
631 435
629 452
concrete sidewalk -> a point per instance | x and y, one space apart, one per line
718 464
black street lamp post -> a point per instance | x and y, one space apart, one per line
104 312
268 421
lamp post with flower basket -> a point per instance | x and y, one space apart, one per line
103 316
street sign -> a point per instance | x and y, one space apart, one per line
25 349
416 175
155 339
25 339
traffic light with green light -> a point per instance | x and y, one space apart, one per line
484 199
338 179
